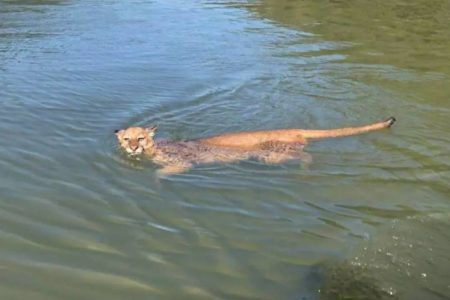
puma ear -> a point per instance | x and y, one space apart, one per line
152 129
117 131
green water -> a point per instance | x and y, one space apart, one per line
79 220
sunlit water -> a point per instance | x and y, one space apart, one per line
80 220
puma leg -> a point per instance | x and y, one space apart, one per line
274 158
172 170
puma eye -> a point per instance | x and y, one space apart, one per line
126 139
140 139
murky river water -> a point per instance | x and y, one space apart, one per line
369 217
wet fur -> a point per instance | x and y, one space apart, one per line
273 146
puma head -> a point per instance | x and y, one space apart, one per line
136 140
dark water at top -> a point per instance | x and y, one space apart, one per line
79 220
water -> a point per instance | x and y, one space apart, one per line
79 220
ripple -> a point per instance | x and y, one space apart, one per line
76 212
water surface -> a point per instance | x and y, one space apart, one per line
79 220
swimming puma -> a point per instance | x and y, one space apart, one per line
271 146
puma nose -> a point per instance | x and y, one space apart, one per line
134 146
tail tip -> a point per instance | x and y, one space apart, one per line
390 121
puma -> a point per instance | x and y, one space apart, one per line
271 146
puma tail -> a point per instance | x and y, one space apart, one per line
340 132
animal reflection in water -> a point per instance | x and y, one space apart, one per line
271 146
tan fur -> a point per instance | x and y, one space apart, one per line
272 146
251 139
